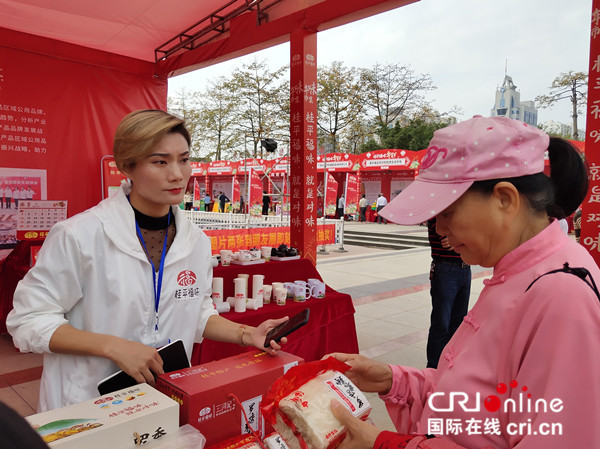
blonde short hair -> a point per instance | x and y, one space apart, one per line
140 131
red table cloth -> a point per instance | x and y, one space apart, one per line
330 328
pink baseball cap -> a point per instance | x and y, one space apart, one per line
477 149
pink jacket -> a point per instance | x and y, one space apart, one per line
525 365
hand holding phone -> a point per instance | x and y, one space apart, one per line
284 329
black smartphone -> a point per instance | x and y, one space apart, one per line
174 358
284 329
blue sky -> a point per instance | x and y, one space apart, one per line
462 44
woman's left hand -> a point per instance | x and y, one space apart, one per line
259 334
361 435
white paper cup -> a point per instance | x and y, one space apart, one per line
265 252
280 295
226 257
267 291
289 286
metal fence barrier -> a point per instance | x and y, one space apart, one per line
229 220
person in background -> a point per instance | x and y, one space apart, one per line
341 206
188 199
506 378
8 194
206 202
242 205
222 200
2 187
114 283
16 196
30 193
381 203
450 280
266 200
362 205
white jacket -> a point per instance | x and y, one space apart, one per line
93 273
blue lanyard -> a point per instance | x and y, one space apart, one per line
157 285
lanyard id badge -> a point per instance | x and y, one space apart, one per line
156 279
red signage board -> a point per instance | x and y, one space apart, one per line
590 218
236 239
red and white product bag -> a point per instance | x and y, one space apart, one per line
275 441
303 416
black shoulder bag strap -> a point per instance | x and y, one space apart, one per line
581 273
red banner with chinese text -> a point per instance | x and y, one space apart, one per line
352 194
303 142
256 194
590 217
235 194
197 194
236 239
67 106
331 195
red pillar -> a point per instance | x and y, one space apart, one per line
303 143
590 226
386 184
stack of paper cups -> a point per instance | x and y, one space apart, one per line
241 286
253 303
223 307
257 287
247 277
217 290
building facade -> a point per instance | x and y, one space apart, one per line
508 104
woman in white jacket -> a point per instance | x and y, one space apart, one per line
121 279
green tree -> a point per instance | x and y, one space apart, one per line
187 105
259 104
571 85
338 101
393 91
218 117
414 135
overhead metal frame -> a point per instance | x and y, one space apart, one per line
212 26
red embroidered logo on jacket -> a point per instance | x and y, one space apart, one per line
186 278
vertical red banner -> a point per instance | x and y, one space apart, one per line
331 196
256 194
590 217
235 195
303 143
352 194
197 195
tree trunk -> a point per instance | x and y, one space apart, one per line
574 103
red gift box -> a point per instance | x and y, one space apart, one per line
208 394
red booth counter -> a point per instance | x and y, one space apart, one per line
330 328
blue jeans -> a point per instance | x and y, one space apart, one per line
450 290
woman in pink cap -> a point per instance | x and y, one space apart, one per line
521 371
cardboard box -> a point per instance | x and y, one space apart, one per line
112 421
205 392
